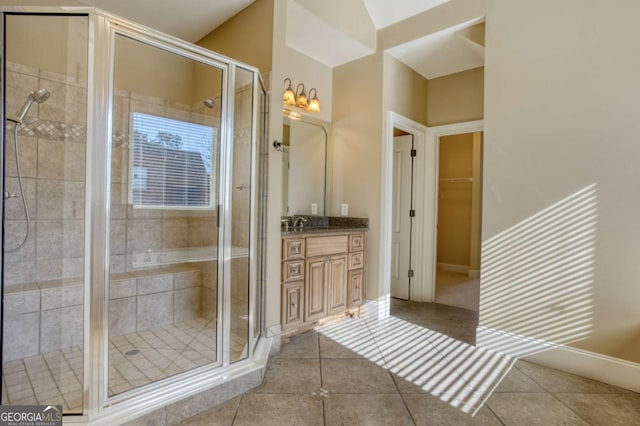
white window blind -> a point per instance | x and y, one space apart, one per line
171 164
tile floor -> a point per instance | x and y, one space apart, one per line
457 289
51 378
136 359
397 372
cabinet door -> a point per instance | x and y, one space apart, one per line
315 295
337 285
292 304
356 288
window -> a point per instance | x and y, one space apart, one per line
171 163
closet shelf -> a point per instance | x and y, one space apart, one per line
456 180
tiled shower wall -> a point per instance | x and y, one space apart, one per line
52 150
140 230
41 314
52 158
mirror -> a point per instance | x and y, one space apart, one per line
304 166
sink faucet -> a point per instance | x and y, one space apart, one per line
298 222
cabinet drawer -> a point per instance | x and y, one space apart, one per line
293 248
322 246
356 260
292 300
356 242
293 270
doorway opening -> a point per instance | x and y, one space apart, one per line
457 277
423 243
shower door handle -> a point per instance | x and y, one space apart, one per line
8 195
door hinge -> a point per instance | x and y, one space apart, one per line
414 152
412 213
410 273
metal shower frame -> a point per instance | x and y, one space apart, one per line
98 407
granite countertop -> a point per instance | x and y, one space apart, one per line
321 230
327 225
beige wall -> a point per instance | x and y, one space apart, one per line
363 90
151 71
356 135
65 52
561 176
247 36
456 98
454 199
405 91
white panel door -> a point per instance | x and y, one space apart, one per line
401 225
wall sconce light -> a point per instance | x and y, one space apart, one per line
299 97
289 96
314 103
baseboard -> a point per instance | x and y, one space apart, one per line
614 371
452 267
274 333
376 309
474 273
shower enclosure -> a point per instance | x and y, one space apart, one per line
132 214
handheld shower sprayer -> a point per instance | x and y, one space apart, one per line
37 97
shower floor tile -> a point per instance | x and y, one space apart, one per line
135 360
51 378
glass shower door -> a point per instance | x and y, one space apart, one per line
164 307
44 182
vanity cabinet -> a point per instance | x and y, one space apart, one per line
322 276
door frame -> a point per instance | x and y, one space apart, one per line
420 133
424 241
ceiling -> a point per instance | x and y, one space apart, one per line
453 50
193 19
186 19
385 12
442 53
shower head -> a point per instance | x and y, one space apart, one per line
37 97
210 103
